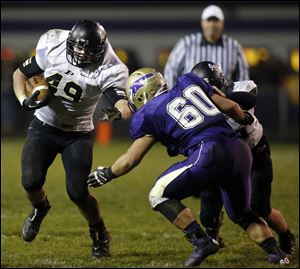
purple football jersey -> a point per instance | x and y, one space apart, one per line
182 117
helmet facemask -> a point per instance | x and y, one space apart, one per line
86 44
81 56
218 79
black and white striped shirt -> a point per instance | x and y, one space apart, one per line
193 48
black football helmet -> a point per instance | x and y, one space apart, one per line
86 43
210 72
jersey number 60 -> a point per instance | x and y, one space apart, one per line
191 115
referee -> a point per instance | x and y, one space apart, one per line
209 45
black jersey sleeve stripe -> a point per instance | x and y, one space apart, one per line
114 94
30 67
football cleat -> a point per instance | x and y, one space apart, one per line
282 260
214 233
278 256
203 247
220 241
288 242
100 246
215 236
33 222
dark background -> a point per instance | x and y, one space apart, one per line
144 32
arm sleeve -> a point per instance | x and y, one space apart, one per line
242 71
114 94
246 100
113 85
175 64
117 78
30 67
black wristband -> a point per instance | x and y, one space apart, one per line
30 67
131 107
110 174
248 119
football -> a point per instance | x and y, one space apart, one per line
37 83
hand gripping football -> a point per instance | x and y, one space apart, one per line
37 83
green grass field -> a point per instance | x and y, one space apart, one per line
140 236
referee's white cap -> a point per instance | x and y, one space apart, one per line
212 11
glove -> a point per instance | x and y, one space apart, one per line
248 119
111 114
32 103
100 177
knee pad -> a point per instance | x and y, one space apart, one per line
170 209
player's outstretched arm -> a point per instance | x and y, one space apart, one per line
121 110
124 164
232 109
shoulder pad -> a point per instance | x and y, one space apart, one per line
56 35
245 86
52 38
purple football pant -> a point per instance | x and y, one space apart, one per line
225 164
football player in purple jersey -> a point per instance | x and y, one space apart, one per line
188 120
